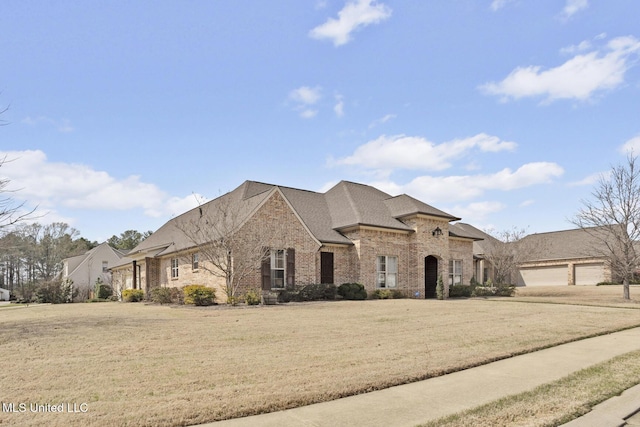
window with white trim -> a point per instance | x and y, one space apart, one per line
105 266
195 261
455 272
387 267
174 268
278 266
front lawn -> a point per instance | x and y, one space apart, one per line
136 364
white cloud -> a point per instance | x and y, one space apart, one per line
305 97
573 49
410 152
382 120
588 180
526 203
355 15
55 185
632 145
448 189
499 4
339 107
477 212
574 6
465 187
62 125
578 78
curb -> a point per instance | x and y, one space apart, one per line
618 411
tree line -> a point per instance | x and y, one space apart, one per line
33 254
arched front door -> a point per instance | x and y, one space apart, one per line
430 276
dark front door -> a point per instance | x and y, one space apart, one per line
326 268
430 276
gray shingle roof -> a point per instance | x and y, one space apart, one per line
458 230
480 247
324 214
403 205
567 244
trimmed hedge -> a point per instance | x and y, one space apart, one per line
132 295
352 291
252 297
318 292
460 291
199 295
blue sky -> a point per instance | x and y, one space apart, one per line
123 114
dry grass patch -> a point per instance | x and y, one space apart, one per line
155 365
609 296
555 403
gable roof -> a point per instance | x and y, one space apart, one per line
567 244
77 262
352 204
345 205
482 239
458 230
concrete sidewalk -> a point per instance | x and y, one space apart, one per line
416 403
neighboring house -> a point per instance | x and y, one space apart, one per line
4 294
85 270
351 233
558 258
569 257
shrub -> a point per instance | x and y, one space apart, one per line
161 295
286 296
316 292
500 290
56 292
458 291
199 295
440 288
382 294
398 294
103 291
606 283
252 297
352 291
132 295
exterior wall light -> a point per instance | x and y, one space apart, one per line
437 232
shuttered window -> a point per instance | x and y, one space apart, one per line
278 269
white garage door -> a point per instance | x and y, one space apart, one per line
589 274
556 275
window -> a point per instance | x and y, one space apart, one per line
455 272
387 271
277 268
174 268
195 259
105 266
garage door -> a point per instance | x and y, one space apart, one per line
589 274
556 275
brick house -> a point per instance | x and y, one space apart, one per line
556 258
351 233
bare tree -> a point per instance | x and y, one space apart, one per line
613 219
508 250
218 235
11 212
